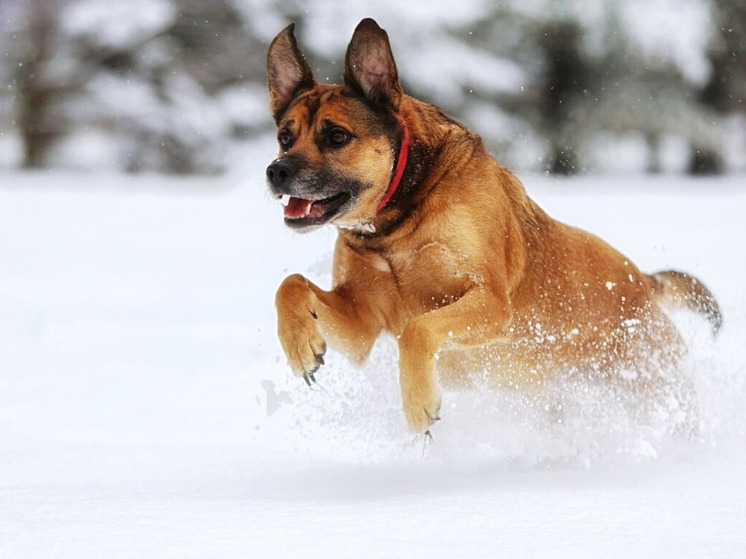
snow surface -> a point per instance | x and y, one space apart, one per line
145 410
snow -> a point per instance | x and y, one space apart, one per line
145 409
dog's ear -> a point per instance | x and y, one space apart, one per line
288 73
370 67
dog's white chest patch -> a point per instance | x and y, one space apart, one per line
358 227
382 265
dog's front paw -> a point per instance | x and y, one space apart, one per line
421 406
303 345
297 328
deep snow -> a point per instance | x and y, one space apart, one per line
145 410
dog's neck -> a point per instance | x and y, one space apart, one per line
401 164
424 161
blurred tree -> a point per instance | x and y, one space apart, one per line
635 94
215 45
154 77
166 85
565 82
642 86
35 84
726 88
544 81
725 91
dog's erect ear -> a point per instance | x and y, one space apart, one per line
288 73
370 67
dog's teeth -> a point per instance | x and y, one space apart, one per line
285 199
308 208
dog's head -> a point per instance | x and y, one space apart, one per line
338 143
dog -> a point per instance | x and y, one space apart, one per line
440 245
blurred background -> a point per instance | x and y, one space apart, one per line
564 87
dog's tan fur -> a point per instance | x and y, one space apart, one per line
462 266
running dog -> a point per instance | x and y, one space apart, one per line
439 245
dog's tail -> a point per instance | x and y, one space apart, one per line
678 290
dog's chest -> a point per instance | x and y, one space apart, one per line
430 276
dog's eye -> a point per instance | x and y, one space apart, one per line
337 137
285 138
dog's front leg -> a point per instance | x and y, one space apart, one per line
478 318
307 316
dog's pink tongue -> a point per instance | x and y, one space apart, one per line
296 207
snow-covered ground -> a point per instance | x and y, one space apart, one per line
146 411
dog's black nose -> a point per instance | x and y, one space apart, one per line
281 171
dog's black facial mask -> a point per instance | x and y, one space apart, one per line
311 197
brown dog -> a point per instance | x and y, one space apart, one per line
440 246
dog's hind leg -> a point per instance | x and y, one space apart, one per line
654 371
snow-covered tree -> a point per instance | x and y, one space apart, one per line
150 83
37 74
724 93
168 84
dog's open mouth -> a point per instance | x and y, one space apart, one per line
302 212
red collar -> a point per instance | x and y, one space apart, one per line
401 163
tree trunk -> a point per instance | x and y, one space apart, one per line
705 162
